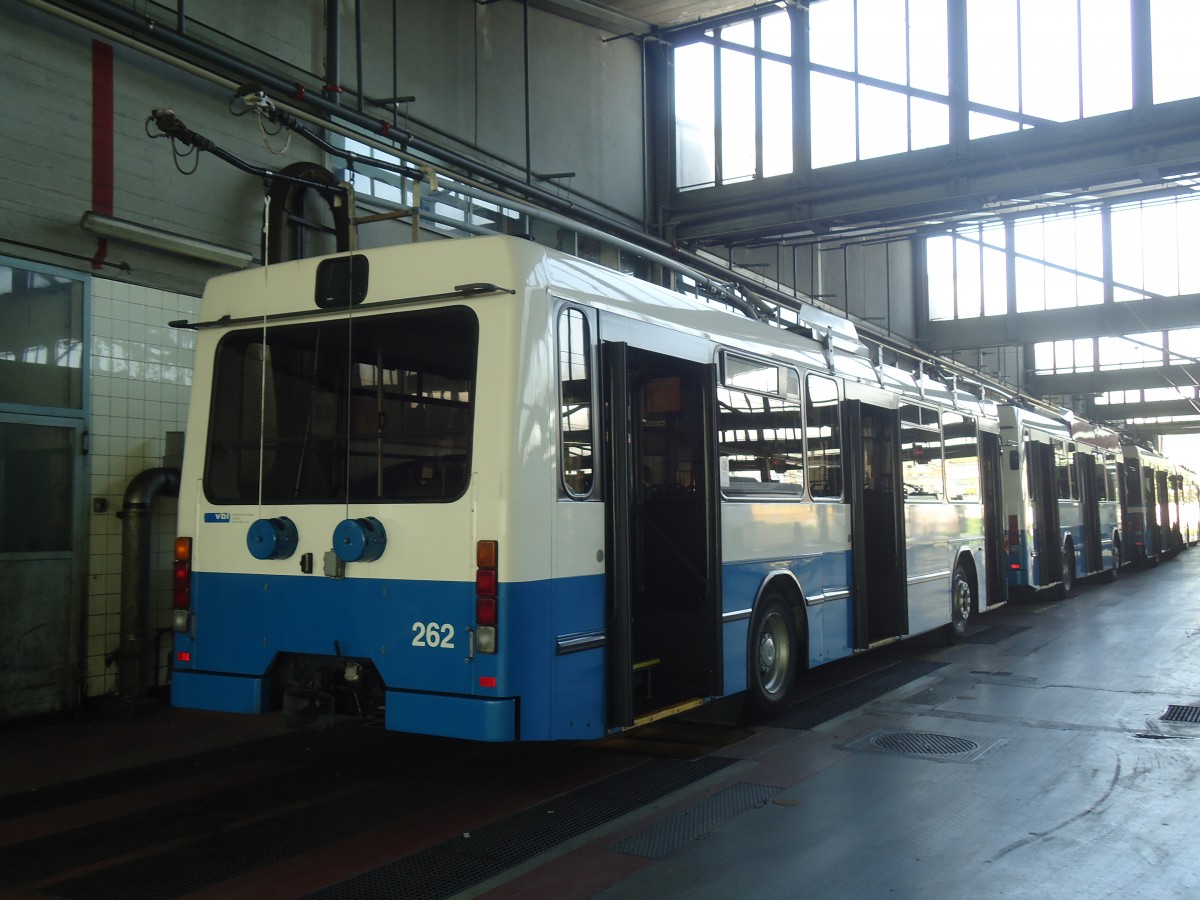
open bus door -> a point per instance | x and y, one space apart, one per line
1150 507
1166 521
1085 465
1048 563
664 649
993 518
877 524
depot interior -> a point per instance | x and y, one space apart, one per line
1000 190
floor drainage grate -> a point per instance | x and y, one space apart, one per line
925 745
1182 714
922 744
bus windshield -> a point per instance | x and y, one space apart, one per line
357 409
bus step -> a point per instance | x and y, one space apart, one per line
643 678
667 712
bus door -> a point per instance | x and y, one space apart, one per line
662 557
993 518
1165 520
1085 465
877 529
1150 507
1046 555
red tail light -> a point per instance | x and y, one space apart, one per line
181 587
485 611
487 592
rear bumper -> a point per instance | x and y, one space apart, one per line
446 715
220 693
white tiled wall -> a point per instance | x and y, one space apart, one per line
141 372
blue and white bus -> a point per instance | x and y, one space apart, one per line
480 489
1152 515
1061 500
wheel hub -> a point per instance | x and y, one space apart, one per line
766 653
962 600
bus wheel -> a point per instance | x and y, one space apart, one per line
1068 573
961 603
771 662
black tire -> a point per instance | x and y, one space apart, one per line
1068 569
962 603
770 658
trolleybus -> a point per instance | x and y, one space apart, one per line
480 489
1061 499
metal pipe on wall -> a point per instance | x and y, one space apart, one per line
135 655
371 124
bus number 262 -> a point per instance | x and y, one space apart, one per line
431 634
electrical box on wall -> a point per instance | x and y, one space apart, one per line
173 454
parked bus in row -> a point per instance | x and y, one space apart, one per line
1061 499
480 489
1162 507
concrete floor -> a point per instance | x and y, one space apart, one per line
1077 786
1033 761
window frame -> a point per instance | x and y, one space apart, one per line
792 401
588 360
809 378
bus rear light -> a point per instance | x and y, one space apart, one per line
485 583
487 593
183 656
485 610
181 585
485 639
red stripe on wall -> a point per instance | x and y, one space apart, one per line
102 138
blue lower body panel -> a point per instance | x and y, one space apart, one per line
471 718
221 693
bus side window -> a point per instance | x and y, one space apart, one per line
760 432
823 434
961 440
575 396
1098 473
922 459
1064 472
1111 467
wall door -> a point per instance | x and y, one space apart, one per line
43 542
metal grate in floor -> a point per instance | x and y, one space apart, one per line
925 745
1189 714
706 817
922 743
833 703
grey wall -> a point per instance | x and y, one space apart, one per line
465 63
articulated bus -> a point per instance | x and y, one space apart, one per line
1060 499
480 489
1151 516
